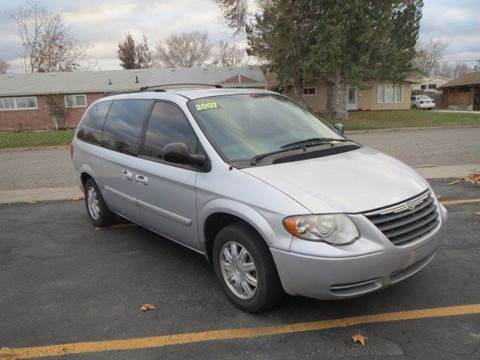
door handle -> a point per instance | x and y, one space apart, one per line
141 179
127 174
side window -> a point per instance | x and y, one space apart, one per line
90 128
167 124
124 125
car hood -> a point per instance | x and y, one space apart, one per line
351 182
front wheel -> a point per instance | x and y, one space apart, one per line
244 265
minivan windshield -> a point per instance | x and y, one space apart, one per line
243 126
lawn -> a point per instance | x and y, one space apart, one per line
359 120
366 120
40 138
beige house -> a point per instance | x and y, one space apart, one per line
372 95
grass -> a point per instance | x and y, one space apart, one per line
31 139
359 120
367 120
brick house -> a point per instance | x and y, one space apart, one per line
23 96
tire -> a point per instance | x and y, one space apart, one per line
100 215
268 290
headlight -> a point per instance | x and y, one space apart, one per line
335 229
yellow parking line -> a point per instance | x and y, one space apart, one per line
460 201
230 334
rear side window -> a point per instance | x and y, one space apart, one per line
124 125
167 124
90 129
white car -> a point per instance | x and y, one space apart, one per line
422 102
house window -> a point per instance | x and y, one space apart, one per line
389 94
424 87
432 86
309 91
74 101
18 103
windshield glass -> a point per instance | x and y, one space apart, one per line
424 97
245 125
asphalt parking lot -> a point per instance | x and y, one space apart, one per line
64 282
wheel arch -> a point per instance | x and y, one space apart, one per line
220 213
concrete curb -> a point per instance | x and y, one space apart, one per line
74 193
40 194
410 129
33 148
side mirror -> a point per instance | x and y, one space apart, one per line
339 127
178 153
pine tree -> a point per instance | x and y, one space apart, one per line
133 56
343 43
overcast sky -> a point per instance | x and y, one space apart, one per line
100 24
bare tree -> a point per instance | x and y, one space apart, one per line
453 71
3 67
428 55
134 56
229 55
47 42
144 54
184 50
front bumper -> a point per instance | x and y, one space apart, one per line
371 263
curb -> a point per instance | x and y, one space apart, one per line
410 129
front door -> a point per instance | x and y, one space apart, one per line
352 98
166 195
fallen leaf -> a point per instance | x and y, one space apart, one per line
7 354
78 198
473 178
146 307
439 197
360 339
454 182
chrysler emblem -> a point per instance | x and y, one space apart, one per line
410 205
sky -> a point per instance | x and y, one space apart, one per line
99 25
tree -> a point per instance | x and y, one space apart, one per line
229 55
3 66
133 56
57 110
453 71
428 55
343 43
185 50
47 42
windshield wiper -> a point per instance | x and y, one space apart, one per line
256 158
312 142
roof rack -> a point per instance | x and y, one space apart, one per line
159 87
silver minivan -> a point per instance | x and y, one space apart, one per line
276 199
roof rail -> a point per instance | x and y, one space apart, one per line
143 88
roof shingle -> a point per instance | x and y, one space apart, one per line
122 80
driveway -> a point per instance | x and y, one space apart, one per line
43 168
63 282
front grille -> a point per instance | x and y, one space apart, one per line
407 221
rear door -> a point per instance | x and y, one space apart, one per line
167 197
121 143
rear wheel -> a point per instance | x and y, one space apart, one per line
97 210
245 268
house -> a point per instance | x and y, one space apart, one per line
23 97
462 93
370 95
428 84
